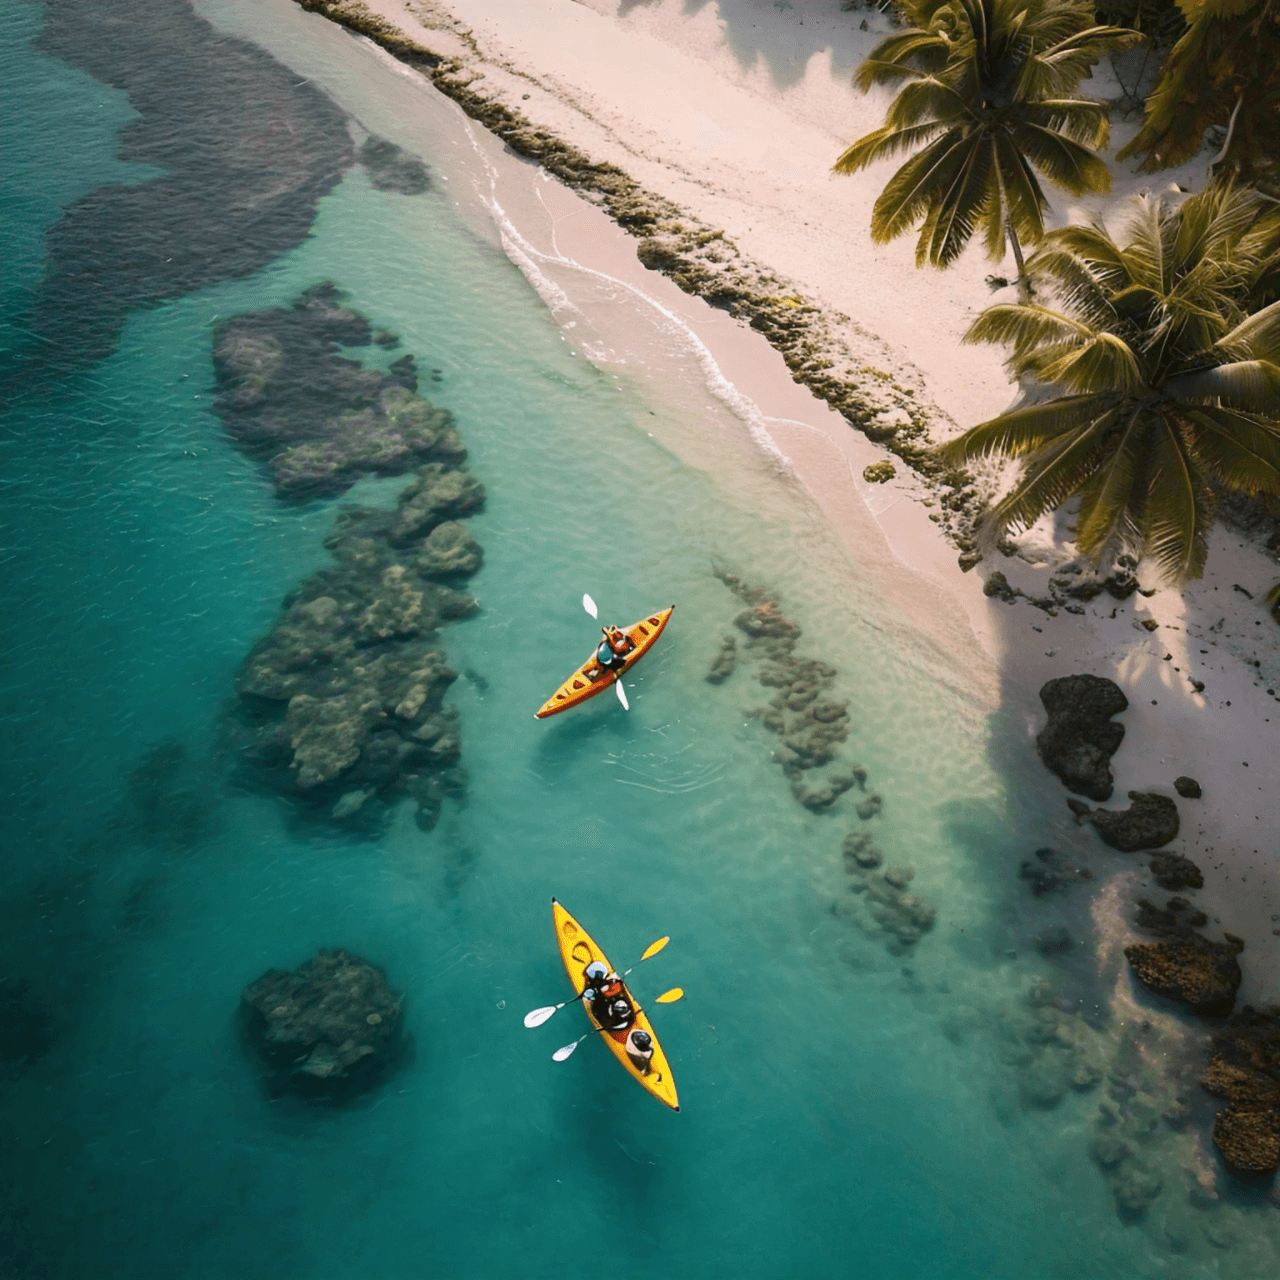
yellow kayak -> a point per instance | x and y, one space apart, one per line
591 678
577 950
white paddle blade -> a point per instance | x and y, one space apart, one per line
622 695
561 1054
590 606
670 997
539 1016
655 947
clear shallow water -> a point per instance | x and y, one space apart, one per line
829 1128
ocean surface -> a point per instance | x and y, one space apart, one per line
851 1106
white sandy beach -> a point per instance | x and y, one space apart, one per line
735 110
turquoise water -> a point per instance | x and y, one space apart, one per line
834 1122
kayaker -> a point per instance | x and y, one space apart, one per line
607 997
611 655
639 1048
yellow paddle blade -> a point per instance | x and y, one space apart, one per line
670 997
655 947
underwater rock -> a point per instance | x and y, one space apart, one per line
870 807
1150 821
860 849
449 551
826 794
342 702
1173 872
1245 1070
317 419
1052 871
1080 737
391 169
1188 788
330 1029
724 662
1054 941
903 918
1187 967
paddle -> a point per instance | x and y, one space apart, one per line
536 1017
622 695
590 606
567 1050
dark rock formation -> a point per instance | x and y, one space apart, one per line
1080 738
1246 1071
997 587
879 472
870 807
1173 872
1188 788
861 851
1052 871
811 726
315 418
1185 966
725 661
1150 821
391 169
901 916
329 1030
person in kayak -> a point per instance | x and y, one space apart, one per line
611 655
639 1049
607 998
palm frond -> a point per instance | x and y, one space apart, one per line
955 216
1105 520
1050 476
1145 253
919 182
1022 431
1062 160
1081 121
1177 508
1103 363
1252 386
884 143
1024 326
1257 337
1240 451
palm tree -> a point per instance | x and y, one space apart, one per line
985 102
1225 71
1167 378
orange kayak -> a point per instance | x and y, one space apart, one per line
577 950
591 678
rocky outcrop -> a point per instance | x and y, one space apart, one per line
1052 871
1149 822
1080 737
810 724
1246 1071
900 917
317 419
329 1030
724 662
1185 965
1174 872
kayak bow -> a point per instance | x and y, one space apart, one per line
577 950
580 686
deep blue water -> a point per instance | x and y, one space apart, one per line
831 1125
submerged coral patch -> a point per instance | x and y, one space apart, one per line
317 419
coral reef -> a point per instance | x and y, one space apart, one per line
1080 737
1246 1071
1185 966
317 419
329 1030
1149 822
725 661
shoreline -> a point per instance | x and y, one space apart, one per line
1171 728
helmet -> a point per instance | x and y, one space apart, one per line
596 972
641 1040
620 1008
